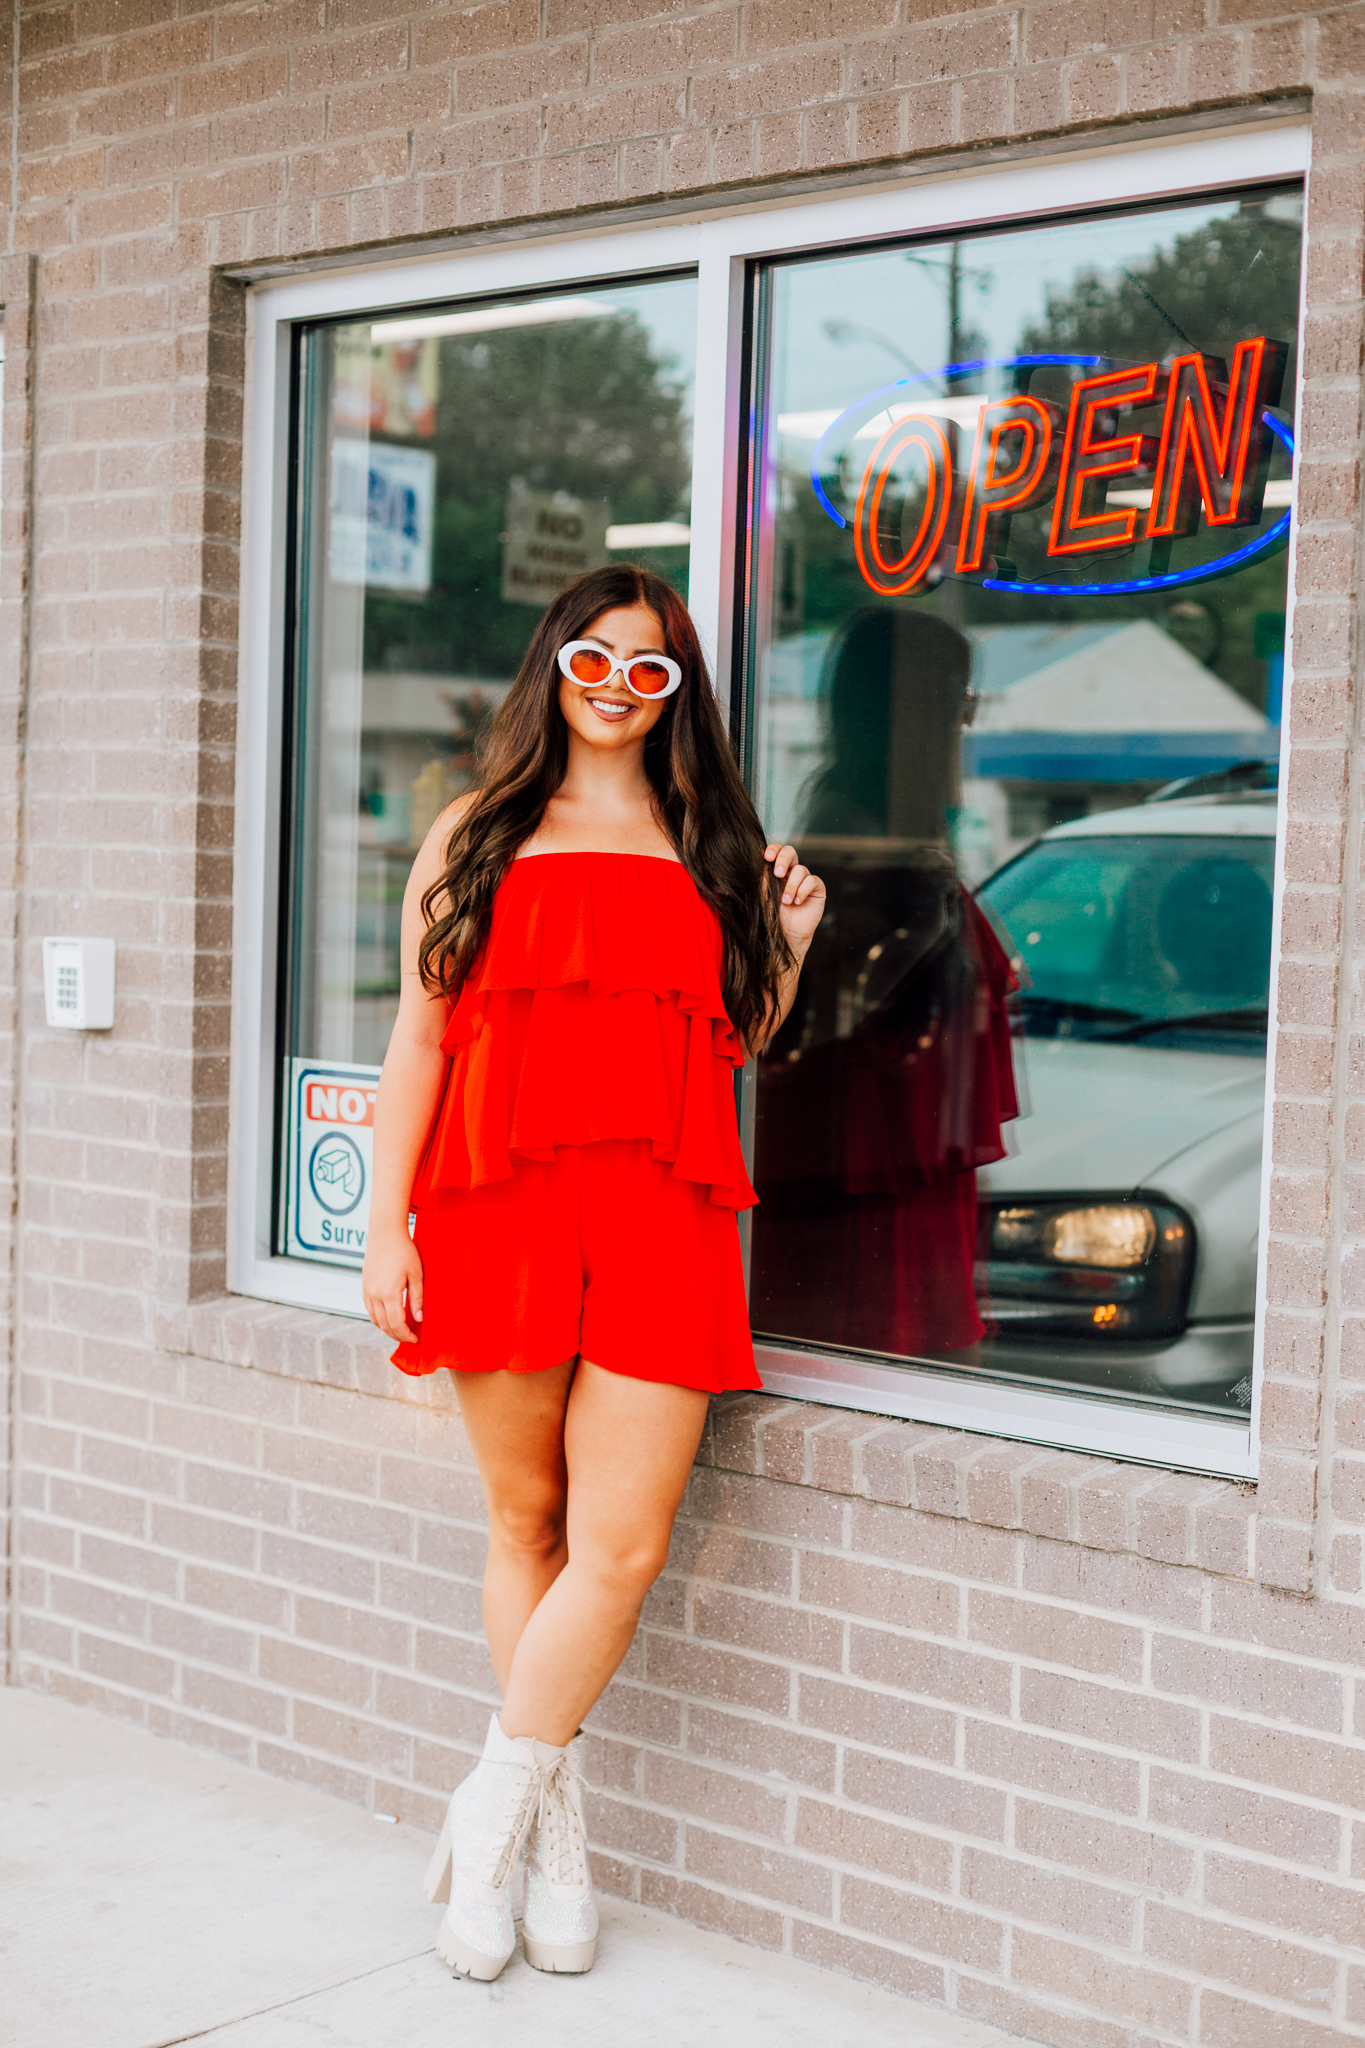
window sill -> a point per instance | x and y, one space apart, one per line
1169 1518
1166 1436
1099 1504
321 1347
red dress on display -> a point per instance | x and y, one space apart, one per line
868 1147
579 1190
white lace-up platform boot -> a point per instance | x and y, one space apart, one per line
480 1842
559 1917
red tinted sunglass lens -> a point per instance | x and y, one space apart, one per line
586 665
648 678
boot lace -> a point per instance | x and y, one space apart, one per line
524 1784
565 1848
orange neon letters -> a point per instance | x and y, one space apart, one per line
914 431
1086 460
991 497
1212 454
1202 460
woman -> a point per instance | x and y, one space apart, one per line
591 945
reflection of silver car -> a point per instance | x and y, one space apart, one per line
1118 1248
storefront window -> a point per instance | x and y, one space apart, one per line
1021 509
455 469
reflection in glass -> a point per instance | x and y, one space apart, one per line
1018 647
455 470
890 1080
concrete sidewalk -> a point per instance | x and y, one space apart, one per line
151 1895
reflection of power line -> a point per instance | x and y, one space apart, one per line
1158 308
842 332
957 272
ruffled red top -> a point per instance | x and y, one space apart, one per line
594 1011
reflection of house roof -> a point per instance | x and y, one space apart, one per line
1127 677
1003 655
1093 702
1093 677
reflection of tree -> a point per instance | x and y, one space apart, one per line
582 406
1224 280
1227 278
1207 285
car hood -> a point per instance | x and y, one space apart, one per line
1112 1116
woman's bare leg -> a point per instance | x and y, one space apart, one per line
628 1447
515 1422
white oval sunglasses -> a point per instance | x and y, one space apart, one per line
648 676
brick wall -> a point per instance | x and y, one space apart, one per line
992 1726
177 1562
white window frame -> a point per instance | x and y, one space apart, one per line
718 246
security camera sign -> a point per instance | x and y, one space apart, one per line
331 1130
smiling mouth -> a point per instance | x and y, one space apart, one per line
607 707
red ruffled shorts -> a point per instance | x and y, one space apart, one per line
601 1252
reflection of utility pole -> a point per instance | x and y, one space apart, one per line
952 597
957 274
950 600
954 302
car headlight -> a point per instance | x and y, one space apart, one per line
1113 1267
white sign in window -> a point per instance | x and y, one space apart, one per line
551 538
381 510
331 1159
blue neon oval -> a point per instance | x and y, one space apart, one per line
1200 574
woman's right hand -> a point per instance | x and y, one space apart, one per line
393 1271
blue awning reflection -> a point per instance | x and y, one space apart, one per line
1110 756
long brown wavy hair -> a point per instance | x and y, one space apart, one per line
699 796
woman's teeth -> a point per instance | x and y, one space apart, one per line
610 710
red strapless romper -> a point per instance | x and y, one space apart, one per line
579 1188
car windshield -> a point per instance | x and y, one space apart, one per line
1137 936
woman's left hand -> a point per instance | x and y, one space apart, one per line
803 897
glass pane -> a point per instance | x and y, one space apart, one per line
1022 506
456 469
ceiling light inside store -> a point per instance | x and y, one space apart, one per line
665 533
1279 493
809 426
483 319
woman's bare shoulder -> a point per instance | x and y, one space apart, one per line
452 814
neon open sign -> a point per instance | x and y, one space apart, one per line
1207 460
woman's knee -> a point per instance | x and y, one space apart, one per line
628 1561
529 1524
